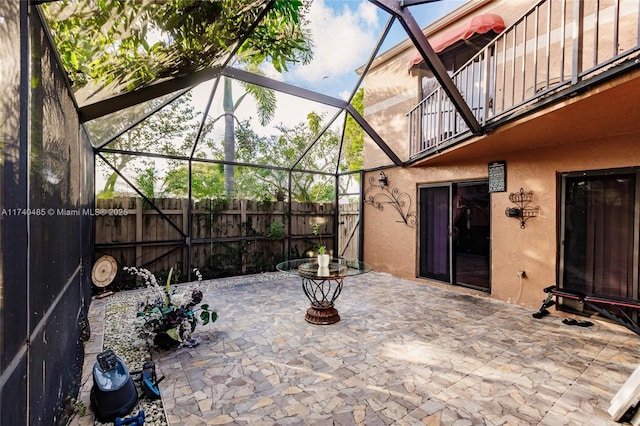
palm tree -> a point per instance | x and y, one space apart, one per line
266 107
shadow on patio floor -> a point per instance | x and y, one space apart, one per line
403 353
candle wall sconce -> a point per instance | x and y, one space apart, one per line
523 211
379 195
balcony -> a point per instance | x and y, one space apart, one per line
557 48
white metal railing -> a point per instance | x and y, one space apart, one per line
556 44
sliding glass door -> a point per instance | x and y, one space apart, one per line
435 214
454 234
471 238
599 234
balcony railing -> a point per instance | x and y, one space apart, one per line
554 46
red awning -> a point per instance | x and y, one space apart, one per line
480 24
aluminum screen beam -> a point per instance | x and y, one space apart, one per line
407 3
280 86
395 8
117 103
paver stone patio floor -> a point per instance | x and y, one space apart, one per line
403 353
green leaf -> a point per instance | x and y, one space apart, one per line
74 60
166 299
173 333
204 316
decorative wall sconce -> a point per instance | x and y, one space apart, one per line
379 195
382 180
522 212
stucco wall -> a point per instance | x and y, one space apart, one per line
391 246
582 133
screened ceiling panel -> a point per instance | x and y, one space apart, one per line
323 153
274 141
103 129
125 59
345 34
171 131
390 41
351 153
121 46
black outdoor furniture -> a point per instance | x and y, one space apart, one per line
616 309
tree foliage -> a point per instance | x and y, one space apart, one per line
354 137
206 181
286 149
277 153
128 44
171 130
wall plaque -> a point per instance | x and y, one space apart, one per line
498 176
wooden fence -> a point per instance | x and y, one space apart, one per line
349 231
220 238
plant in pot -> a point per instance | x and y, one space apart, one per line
323 257
168 316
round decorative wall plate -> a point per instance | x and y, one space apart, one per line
104 271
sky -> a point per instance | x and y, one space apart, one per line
344 33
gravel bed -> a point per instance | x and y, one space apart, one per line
120 335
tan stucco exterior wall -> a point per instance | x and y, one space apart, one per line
391 246
594 131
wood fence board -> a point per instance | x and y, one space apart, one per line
211 219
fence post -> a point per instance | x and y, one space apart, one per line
138 260
186 229
243 222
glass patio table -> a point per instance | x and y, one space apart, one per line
322 286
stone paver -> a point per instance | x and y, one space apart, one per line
404 353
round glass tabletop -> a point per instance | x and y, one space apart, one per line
308 267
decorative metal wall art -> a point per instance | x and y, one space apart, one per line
379 195
522 212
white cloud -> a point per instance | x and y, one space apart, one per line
344 95
369 13
344 34
343 39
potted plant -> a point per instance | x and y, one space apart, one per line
323 257
169 316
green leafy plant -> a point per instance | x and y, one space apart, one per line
168 316
315 228
276 231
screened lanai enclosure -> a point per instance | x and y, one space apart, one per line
253 158
174 134
250 127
